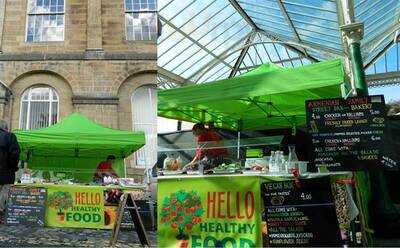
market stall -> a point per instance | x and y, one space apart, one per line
268 97
61 163
233 211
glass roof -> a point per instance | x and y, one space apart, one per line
207 40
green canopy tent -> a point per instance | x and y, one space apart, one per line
265 98
76 144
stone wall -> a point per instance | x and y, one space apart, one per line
100 89
94 70
84 29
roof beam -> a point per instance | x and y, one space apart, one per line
192 40
250 21
383 79
304 44
379 54
213 62
377 40
171 76
274 62
244 15
288 20
243 53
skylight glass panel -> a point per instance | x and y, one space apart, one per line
267 15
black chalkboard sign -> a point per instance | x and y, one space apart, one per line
300 215
391 147
26 206
347 134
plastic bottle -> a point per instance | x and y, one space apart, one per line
271 162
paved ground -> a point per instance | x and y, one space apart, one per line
22 236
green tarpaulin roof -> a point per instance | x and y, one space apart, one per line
77 136
267 97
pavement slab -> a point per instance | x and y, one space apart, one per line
25 236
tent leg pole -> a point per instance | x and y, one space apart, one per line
238 146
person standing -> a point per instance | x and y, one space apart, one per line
9 159
209 152
104 169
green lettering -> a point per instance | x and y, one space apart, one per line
195 242
242 227
77 217
251 227
207 241
96 217
246 243
227 230
234 227
230 240
219 228
69 216
203 227
86 217
211 227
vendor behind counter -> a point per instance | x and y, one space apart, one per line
209 152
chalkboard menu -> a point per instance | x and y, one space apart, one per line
347 134
390 154
300 214
26 206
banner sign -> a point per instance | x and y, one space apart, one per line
209 212
347 134
300 214
77 206
26 205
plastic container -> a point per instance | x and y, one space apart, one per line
302 166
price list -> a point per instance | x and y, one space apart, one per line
300 215
26 206
347 134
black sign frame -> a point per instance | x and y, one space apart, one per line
26 206
346 134
301 214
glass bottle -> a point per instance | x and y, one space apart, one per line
292 158
272 164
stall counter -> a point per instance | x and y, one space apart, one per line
81 206
200 210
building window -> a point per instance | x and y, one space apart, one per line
39 108
141 19
45 20
144 108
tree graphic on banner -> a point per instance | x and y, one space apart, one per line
61 201
181 211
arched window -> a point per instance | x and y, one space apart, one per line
144 115
39 108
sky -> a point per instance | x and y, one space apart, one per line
391 93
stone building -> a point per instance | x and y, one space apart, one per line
96 57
